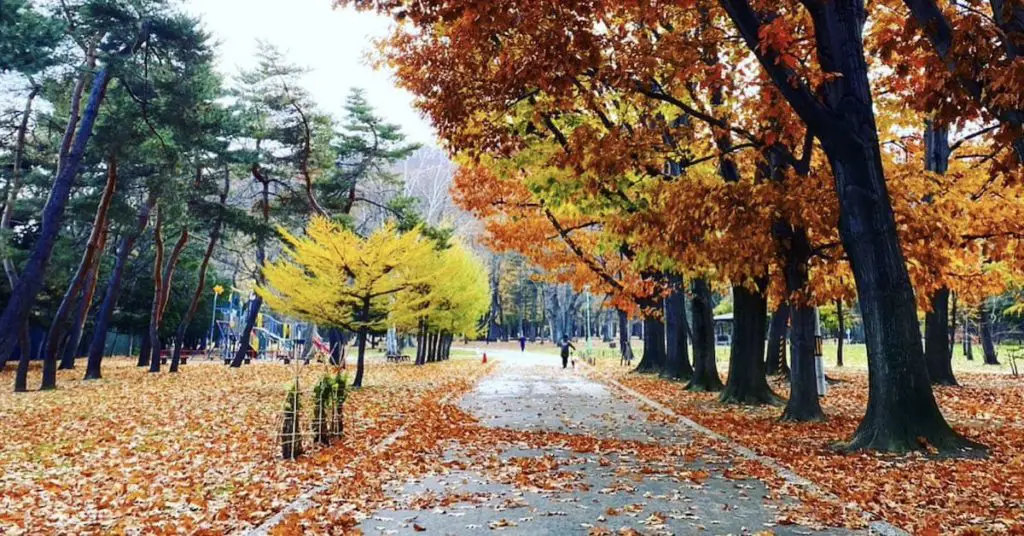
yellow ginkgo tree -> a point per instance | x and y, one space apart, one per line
334 277
449 299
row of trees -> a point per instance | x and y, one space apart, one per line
135 177
794 153
334 277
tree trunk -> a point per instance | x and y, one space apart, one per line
144 350
968 343
902 413
803 402
747 382
842 333
179 334
93 249
361 356
74 339
625 347
936 340
106 310
14 187
653 359
158 294
705 369
336 343
985 327
677 351
25 349
23 295
261 261
778 332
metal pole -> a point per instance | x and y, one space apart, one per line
589 347
213 319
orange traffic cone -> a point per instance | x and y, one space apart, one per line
485 358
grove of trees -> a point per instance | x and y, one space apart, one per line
791 154
136 177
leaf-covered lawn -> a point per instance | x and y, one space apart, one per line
924 495
194 452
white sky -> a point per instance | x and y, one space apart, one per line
333 44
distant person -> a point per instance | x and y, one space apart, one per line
522 343
565 346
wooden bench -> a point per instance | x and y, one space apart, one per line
397 358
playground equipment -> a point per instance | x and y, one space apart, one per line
271 337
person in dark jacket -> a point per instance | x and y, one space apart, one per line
565 345
522 343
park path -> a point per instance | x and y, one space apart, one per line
558 490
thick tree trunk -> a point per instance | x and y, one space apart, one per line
842 333
902 413
988 346
144 350
936 340
653 359
747 382
421 354
625 348
25 349
23 295
93 249
778 332
803 402
677 351
106 310
705 369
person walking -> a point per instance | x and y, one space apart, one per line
522 343
566 345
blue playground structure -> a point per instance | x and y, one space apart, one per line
272 337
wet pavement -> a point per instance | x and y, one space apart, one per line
657 478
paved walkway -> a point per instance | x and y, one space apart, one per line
558 490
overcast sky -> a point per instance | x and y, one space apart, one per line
333 44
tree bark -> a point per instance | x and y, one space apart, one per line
25 350
902 413
803 402
23 295
778 332
677 351
361 342
936 340
842 333
106 310
179 334
93 249
705 369
158 293
625 347
261 261
653 360
747 382
985 327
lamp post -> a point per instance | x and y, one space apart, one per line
217 290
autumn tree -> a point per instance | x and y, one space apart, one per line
335 278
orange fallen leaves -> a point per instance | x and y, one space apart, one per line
197 451
921 494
